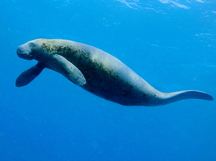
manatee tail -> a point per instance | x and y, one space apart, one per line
181 95
29 75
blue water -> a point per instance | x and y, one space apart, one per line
171 44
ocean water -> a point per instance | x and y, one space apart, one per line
170 43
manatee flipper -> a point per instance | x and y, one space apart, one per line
69 70
29 75
188 94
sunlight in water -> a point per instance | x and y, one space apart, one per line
130 3
141 4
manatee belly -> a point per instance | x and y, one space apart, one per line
117 84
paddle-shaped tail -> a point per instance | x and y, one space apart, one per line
29 75
181 95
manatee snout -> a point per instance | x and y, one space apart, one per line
25 51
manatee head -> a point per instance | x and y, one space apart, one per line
27 50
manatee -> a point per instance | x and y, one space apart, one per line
97 72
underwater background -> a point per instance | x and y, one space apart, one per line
169 43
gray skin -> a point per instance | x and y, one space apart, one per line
97 72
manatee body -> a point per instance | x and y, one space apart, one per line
97 72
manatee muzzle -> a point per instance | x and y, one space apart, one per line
25 52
